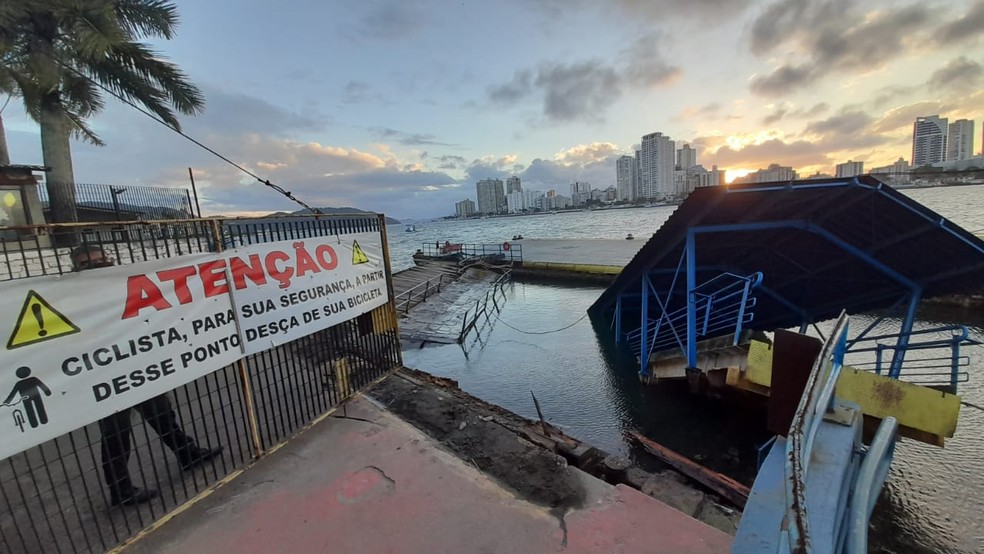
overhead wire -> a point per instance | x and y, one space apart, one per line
195 141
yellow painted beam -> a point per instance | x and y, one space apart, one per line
758 367
914 406
575 268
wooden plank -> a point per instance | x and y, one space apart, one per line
735 492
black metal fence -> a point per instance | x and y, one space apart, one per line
100 203
54 497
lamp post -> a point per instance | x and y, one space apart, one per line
114 192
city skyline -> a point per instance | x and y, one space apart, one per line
363 104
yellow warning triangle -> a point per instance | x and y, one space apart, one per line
38 322
358 256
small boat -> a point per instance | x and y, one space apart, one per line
411 228
629 237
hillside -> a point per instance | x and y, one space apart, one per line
330 210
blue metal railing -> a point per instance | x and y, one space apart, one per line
816 402
940 362
510 251
724 306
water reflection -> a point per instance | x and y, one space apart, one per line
589 387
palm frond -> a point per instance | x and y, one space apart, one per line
81 130
148 18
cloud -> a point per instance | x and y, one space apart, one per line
648 68
707 110
778 112
830 37
796 154
518 88
583 154
781 80
584 90
699 11
849 129
230 112
409 139
490 167
359 92
451 162
391 21
967 26
957 74
903 117
817 109
579 91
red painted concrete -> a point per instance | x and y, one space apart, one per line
356 487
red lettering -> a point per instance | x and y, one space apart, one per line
241 271
180 277
282 276
142 293
329 263
214 278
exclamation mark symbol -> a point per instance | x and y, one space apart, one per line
36 308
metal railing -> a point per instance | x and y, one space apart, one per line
861 491
938 361
53 497
723 304
482 306
420 292
507 251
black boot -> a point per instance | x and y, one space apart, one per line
196 456
131 496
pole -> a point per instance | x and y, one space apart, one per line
194 191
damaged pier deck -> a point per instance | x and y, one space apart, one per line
596 256
412 286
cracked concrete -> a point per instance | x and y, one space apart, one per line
387 487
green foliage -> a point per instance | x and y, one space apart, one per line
52 52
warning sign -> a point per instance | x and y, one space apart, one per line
358 256
39 321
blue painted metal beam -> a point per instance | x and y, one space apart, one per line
910 315
618 319
644 335
691 300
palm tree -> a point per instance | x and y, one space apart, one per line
62 54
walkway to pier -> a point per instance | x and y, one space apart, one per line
580 255
412 286
368 481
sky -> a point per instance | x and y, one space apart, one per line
400 107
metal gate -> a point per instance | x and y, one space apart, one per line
52 497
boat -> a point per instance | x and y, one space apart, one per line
412 228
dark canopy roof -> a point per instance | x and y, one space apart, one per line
822 245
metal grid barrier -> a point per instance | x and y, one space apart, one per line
53 497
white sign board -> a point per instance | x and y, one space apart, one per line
81 346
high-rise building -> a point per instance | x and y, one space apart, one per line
625 174
580 193
850 169
514 202
928 140
513 185
686 157
897 172
464 208
491 197
960 140
712 178
775 172
656 165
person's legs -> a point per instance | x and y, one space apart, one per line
160 415
115 448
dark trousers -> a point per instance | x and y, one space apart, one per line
116 440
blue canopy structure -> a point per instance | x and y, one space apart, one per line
784 255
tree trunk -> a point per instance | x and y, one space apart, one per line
4 153
55 147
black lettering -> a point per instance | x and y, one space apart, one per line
119 384
101 391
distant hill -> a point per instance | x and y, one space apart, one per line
329 210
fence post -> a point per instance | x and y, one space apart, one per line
249 403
